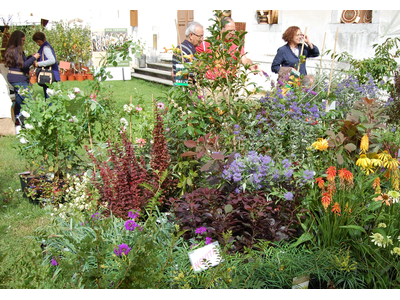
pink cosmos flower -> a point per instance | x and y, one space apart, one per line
160 105
138 108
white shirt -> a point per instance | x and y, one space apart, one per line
51 60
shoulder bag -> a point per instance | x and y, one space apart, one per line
44 74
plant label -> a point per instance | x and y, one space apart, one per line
181 75
207 256
301 282
331 106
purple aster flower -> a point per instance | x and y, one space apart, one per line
133 215
288 173
288 196
200 230
131 225
308 175
123 248
54 262
208 240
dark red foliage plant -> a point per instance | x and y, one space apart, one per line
126 183
249 216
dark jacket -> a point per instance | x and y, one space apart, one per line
28 61
56 70
286 58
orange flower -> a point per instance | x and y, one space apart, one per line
336 208
331 188
321 183
326 200
331 172
384 198
377 185
345 177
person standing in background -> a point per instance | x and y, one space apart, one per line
47 57
18 68
289 55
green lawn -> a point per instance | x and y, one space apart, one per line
18 217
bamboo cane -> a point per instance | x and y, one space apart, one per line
179 39
302 48
330 78
322 53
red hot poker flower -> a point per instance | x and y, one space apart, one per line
331 172
326 200
336 208
321 183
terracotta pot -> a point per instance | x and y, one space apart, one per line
71 77
33 79
63 77
80 77
89 76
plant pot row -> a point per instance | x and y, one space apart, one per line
71 77
78 77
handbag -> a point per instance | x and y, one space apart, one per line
44 75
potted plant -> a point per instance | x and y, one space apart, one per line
52 136
138 49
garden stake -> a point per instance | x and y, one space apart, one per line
330 78
302 48
322 53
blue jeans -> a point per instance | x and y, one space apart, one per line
19 99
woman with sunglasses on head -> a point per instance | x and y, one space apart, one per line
289 54
18 67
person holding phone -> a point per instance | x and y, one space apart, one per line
289 54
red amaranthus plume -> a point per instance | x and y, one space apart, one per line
160 157
121 178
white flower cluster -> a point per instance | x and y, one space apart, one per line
380 241
124 122
129 108
77 199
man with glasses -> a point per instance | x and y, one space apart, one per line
194 36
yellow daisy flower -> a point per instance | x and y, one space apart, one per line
321 144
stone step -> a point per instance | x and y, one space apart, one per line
164 66
154 72
167 82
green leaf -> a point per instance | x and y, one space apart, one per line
355 227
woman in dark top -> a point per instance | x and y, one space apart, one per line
18 66
289 54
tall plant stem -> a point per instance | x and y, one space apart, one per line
90 135
58 167
130 124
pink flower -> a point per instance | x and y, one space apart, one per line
93 97
138 108
141 142
208 240
160 105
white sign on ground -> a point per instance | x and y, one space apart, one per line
209 252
